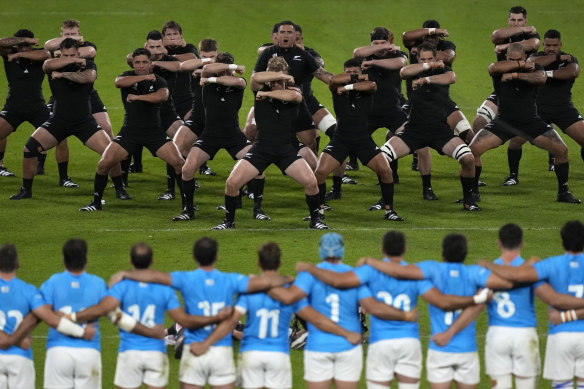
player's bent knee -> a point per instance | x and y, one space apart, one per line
374 385
389 152
502 381
486 113
461 152
525 382
408 385
32 148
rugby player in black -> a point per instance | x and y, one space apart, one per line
427 124
276 110
352 100
142 94
71 80
25 101
222 97
516 83
554 98
70 29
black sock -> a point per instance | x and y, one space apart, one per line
426 180
258 192
582 153
467 188
41 159
230 206
1 156
562 170
387 193
513 157
179 183
118 183
170 178
188 188
337 182
63 167
313 203
551 159
251 186
27 184
125 165
137 156
321 192
99 184
475 185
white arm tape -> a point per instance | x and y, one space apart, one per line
425 66
67 327
232 66
431 31
481 297
206 60
549 73
212 80
122 320
349 87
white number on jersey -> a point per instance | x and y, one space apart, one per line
14 314
505 307
333 300
578 290
265 316
210 309
401 301
147 317
449 316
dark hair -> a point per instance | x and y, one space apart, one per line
552 34
380 34
518 10
275 28
141 255
68 43
394 243
141 51
75 254
510 236
454 248
225 57
431 23
8 258
269 256
208 44
297 28
573 236
286 23
351 63
426 47
154 35
24 33
205 251
171 24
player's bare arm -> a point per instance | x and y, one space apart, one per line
336 280
323 323
84 77
196 321
503 34
447 78
511 273
258 80
214 69
387 63
142 275
33 55
344 78
171 66
222 330
193 64
447 302
323 75
57 63
289 95
160 96
366 51
408 272
287 295
537 77
387 312
467 316
557 300
12 41
233 81
415 69
509 66
53 44
364 86
265 282
410 38
128 81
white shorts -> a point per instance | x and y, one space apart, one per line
215 367
512 350
461 367
564 356
342 366
386 357
71 367
16 372
264 369
135 367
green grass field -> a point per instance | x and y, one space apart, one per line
40 226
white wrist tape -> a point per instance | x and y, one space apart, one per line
232 66
431 31
206 60
67 327
425 66
349 87
122 320
549 73
481 297
427 80
74 317
212 80
568 316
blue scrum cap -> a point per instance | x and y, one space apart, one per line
331 246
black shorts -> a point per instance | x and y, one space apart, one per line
168 116
183 106
83 128
493 98
97 105
152 139
313 104
365 149
262 156
563 118
51 104
304 121
196 124
35 115
232 145
450 107
506 130
391 122
417 137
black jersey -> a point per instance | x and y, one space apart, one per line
301 65
428 101
197 95
222 104
275 120
25 81
141 114
502 56
556 93
307 85
71 98
352 109
443 45
188 48
516 98
179 83
388 97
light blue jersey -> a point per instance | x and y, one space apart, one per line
400 294
17 299
267 322
339 305
565 273
146 303
72 293
205 294
514 307
456 279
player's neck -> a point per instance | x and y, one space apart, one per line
395 258
269 273
508 256
8 276
574 253
207 268
76 272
